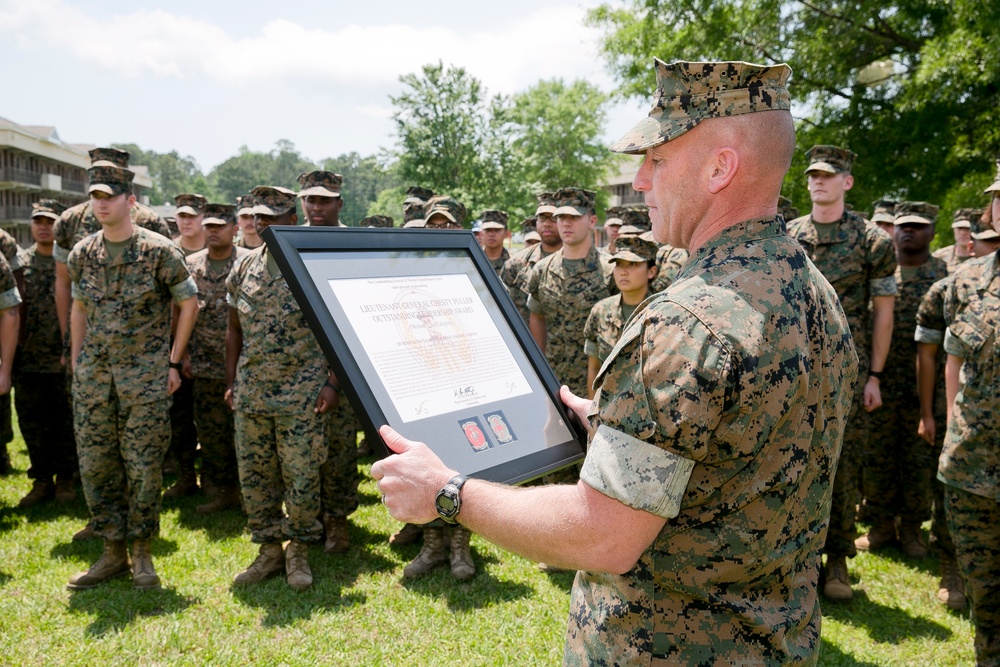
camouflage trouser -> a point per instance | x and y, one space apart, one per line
45 416
974 522
841 535
121 450
279 460
183 436
214 420
899 465
339 473
573 375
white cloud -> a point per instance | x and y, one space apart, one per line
157 43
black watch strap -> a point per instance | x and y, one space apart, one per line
875 374
176 365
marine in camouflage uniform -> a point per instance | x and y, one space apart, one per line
716 427
899 465
11 252
183 432
320 193
207 350
494 233
958 252
245 219
41 395
970 461
859 260
669 260
562 291
517 269
883 215
123 371
277 373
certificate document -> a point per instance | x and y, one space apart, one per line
431 341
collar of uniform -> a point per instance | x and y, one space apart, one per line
128 253
755 229
992 274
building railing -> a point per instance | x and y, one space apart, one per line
17 175
15 212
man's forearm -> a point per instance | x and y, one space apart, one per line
926 371
187 314
64 297
539 331
234 345
9 323
951 375
78 328
881 331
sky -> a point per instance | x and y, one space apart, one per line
205 78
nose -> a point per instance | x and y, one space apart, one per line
642 182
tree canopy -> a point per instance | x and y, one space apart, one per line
911 86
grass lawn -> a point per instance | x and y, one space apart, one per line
360 611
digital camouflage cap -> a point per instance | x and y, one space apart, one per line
787 208
417 195
109 157
634 248
546 204
218 214
574 201
614 216
884 210
963 218
383 221
919 212
987 235
272 200
47 208
191 204
320 184
830 159
110 180
244 205
529 224
493 218
689 92
449 207
637 216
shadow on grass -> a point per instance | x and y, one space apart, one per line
884 624
483 590
116 604
332 575
5 578
830 655
219 526
11 517
562 578
930 565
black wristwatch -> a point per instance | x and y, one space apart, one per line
176 365
448 501
875 374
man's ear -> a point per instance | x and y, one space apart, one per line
722 169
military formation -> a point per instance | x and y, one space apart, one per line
139 349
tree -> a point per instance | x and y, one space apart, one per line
172 174
912 86
242 173
557 134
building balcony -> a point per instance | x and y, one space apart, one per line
13 178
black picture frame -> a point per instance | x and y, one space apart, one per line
509 440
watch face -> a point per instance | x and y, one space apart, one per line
447 502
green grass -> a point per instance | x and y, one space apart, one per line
360 611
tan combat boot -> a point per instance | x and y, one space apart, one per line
338 539
186 484
112 563
838 584
65 493
911 541
41 490
297 571
952 588
462 566
223 498
430 556
143 573
408 534
269 562
878 537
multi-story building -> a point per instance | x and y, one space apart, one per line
619 182
36 164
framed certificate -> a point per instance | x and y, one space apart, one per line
424 337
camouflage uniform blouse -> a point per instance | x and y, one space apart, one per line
515 274
40 350
603 328
950 257
859 260
207 347
281 367
127 301
9 296
79 221
900 376
721 409
499 262
971 457
565 296
10 251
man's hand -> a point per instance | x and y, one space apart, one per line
410 479
327 400
579 406
186 367
173 381
228 396
4 381
872 394
926 429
